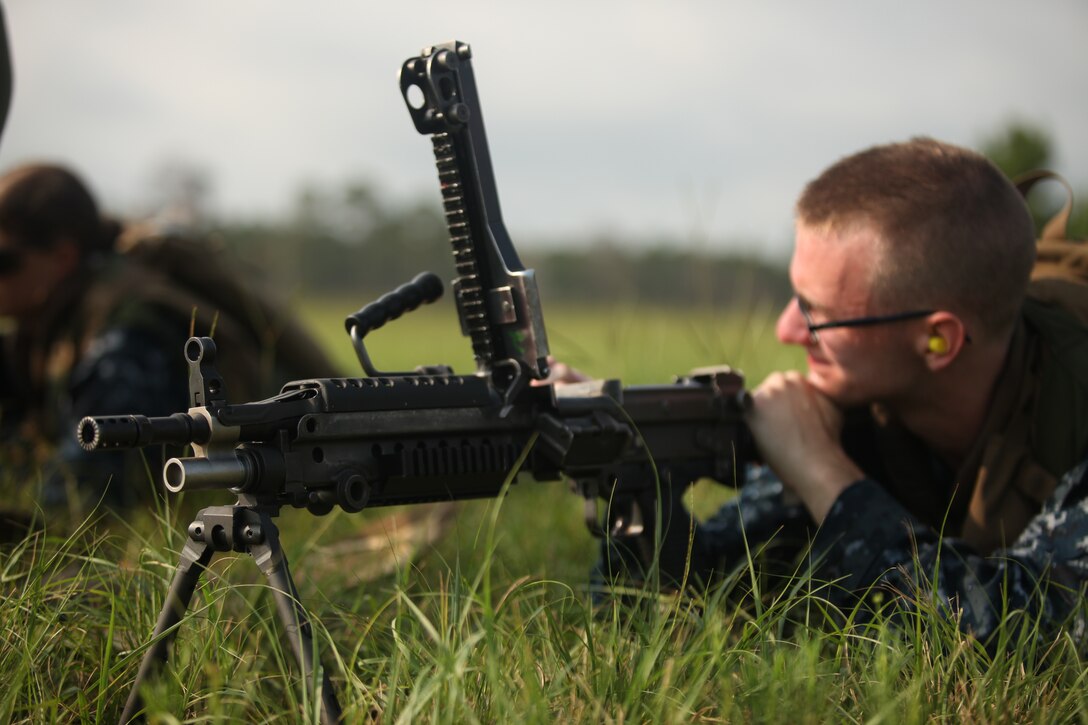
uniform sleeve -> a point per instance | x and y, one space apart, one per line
759 523
125 370
869 543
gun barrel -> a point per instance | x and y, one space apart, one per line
132 431
192 474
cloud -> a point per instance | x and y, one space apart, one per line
697 119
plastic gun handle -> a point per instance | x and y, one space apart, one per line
424 289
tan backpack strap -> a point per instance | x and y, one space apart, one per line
1059 223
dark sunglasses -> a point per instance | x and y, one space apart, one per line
10 261
815 327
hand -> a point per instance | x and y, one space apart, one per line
561 374
797 429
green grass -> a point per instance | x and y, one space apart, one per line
636 344
492 623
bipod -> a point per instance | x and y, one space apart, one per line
245 527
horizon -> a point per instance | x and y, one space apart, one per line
596 128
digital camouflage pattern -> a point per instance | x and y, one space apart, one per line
872 549
869 542
111 343
124 369
69 366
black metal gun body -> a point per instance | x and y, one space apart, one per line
358 442
430 435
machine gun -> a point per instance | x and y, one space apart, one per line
430 435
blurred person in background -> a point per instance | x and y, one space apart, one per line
97 320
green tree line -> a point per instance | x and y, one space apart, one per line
350 240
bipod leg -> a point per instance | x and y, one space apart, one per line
273 562
245 529
194 560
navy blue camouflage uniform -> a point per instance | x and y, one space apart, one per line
870 543
55 375
915 544
111 343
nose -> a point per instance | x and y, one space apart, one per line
792 328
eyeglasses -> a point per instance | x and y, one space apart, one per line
815 327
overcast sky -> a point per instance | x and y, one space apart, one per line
696 120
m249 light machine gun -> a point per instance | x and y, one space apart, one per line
430 435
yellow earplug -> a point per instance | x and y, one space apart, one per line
938 344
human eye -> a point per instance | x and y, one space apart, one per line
805 306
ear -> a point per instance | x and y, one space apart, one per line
941 340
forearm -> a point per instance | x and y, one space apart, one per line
760 522
797 431
869 543
126 370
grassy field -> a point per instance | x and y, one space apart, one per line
491 622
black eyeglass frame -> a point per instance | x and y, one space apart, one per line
815 327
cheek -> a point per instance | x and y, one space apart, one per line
856 374
838 367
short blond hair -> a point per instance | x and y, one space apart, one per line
952 231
